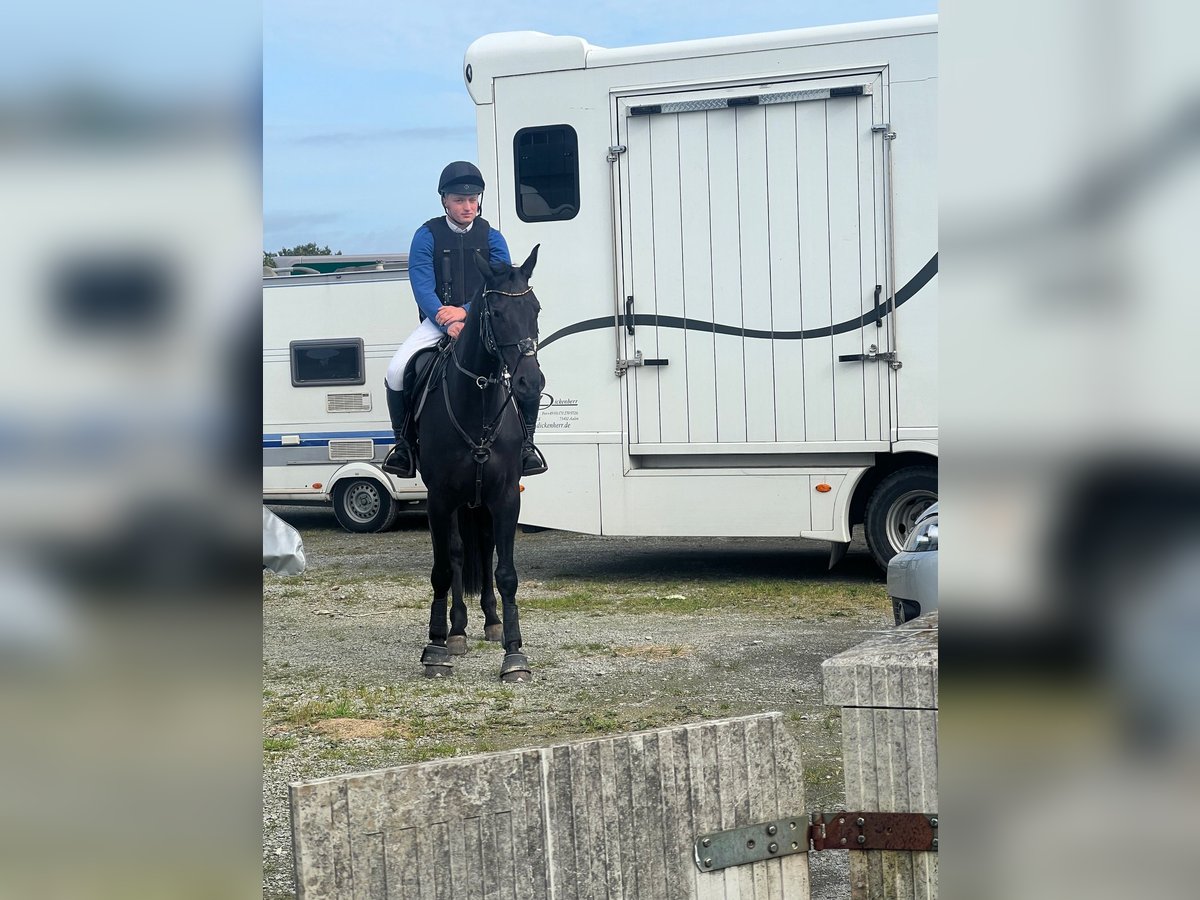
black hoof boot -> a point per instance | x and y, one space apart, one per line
493 632
456 645
399 461
515 668
437 661
532 461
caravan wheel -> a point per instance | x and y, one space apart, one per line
893 508
363 505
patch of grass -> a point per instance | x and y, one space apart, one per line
776 597
599 722
278 744
432 751
353 756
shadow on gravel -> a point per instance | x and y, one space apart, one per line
749 559
548 554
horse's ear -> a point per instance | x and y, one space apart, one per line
527 266
482 264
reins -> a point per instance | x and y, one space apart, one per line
482 450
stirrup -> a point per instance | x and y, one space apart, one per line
532 460
400 462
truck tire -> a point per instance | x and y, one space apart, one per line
363 506
893 508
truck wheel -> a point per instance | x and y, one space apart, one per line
893 508
363 505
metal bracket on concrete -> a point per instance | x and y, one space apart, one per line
817 831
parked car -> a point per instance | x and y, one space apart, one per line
912 574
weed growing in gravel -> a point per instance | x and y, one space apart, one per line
278 745
599 722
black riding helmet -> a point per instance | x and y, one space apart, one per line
460 178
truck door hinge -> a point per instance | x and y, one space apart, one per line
814 832
886 130
624 365
873 354
616 150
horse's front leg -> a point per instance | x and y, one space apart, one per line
435 657
492 629
456 643
515 666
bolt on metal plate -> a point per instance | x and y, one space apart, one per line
753 843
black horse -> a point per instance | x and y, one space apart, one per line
470 434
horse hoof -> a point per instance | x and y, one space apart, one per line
437 662
456 644
515 669
493 633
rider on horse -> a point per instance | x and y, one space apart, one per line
444 280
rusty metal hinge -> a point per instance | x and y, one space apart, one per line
817 831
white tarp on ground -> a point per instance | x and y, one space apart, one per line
283 548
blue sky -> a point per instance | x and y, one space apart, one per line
364 103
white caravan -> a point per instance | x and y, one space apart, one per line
737 274
327 340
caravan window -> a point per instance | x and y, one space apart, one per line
328 362
547 164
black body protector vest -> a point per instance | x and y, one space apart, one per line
458 280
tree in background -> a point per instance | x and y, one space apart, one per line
309 249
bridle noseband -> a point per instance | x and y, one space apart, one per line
526 345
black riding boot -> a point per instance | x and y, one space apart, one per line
532 461
399 460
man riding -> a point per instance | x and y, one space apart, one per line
444 281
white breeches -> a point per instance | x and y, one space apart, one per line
426 335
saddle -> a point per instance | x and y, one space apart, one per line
420 374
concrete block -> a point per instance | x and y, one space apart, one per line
887 690
608 819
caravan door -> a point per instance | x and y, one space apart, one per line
752 244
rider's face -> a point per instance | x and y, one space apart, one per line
461 208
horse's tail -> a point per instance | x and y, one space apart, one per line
471 529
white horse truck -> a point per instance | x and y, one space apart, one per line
737 276
330 328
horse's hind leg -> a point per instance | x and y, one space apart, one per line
456 643
435 657
492 629
515 666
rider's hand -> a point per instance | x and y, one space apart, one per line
448 314
455 329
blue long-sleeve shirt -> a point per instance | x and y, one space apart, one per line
420 268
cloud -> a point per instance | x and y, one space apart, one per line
383 135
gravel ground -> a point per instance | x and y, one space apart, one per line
623 634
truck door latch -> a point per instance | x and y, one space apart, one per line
624 365
873 355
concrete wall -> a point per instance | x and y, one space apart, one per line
887 688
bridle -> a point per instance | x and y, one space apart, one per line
527 347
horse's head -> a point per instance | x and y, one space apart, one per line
509 323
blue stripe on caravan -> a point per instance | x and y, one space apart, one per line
322 438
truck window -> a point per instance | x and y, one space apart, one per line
546 159
338 361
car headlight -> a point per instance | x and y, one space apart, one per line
923 537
